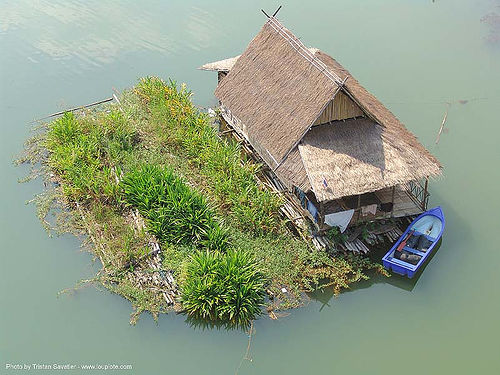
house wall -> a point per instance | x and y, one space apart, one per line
340 108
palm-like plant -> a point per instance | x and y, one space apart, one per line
175 212
225 287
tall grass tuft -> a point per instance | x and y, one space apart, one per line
176 213
147 187
82 152
223 287
232 183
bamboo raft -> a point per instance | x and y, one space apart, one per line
150 275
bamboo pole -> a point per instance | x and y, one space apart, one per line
359 207
119 103
443 122
74 109
392 200
92 237
424 201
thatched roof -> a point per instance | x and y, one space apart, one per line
277 90
357 156
293 172
222 65
227 64
374 109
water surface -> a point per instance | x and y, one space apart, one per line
414 55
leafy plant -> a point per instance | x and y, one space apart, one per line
223 287
232 183
176 213
148 187
82 151
336 236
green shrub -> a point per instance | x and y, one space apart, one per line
336 236
232 182
83 151
176 213
147 187
223 287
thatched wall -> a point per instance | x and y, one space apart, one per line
340 108
292 172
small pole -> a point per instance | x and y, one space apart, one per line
424 203
74 109
277 10
321 215
359 206
263 11
392 200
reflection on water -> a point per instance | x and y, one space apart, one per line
492 20
96 32
201 26
324 295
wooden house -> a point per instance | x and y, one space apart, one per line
344 155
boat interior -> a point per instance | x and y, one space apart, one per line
424 233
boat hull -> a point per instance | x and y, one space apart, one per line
425 230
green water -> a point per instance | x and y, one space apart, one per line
414 55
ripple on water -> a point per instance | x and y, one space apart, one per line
89 33
492 19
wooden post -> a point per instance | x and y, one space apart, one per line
321 215
392 200
424 202
359 206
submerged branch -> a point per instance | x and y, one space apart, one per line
443 122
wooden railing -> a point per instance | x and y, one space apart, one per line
418 193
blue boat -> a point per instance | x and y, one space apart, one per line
416 244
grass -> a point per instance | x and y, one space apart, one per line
157 153
225 287
218 164
175 212
82 152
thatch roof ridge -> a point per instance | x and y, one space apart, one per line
276 92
